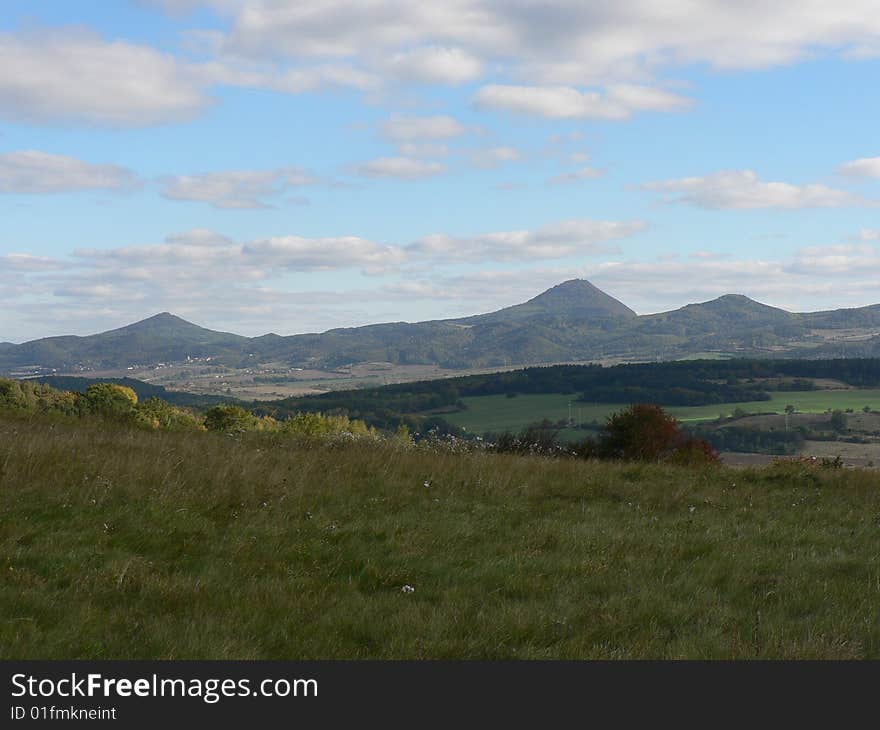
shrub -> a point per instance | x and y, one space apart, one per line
109 399
230 419
645 432
158 414
316 425
641 432
838 421
694 452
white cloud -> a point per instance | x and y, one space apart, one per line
25 262
568 41
435 65
204 255
74 75
864 167
403 168
311 254
410 129
564 60
742 189
34 172
841 259
558 240
237 189
565 102
495 156
301 80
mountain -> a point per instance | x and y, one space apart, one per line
573 321
575 299
161 338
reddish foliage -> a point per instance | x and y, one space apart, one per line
693 452
645 432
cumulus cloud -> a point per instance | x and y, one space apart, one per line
34 172
864 167
566 102
202 255
410 129
402 168
559 240
565 60
237 189
743 189
75 75
435 65
312 254
568 40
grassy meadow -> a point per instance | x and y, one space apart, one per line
498 413
116 542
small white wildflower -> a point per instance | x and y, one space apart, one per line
427 484
692 509
407 589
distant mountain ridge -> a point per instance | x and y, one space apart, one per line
573 321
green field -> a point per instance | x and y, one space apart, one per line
497 413
117 542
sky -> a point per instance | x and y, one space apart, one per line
268 166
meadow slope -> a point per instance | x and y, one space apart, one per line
117 542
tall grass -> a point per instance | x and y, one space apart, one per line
117 542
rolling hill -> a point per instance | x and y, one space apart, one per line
573 321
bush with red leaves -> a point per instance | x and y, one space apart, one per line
645 432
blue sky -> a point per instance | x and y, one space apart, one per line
258 165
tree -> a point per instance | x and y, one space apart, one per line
838 421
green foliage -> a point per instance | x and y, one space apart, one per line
156 413
670 384
231 419
33 397
316 425
751 440
109 399
144 391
